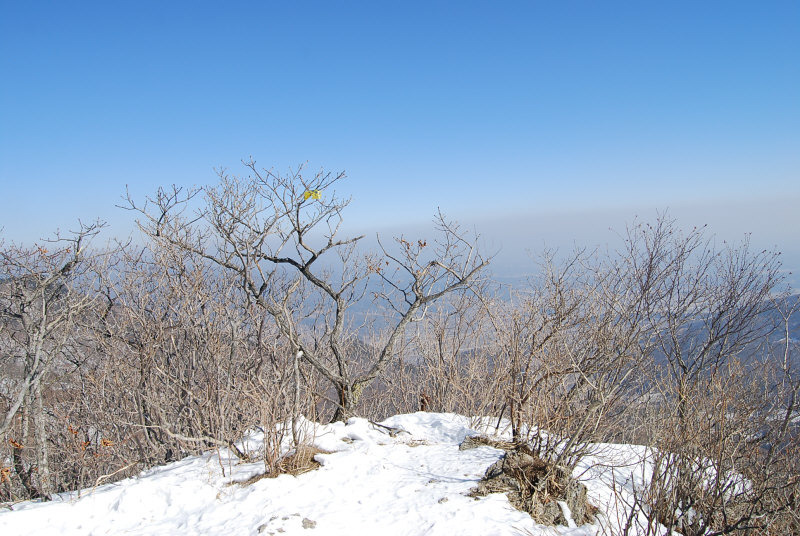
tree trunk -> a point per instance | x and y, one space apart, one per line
42 450
16 453
348 398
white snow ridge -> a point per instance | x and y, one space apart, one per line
414 482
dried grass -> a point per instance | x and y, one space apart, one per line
300 461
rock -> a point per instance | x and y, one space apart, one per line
535 486
470 442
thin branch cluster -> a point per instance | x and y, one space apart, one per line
244 311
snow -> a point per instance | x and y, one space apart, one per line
411 482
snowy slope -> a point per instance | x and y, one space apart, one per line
414 483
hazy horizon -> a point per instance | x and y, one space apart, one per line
532 122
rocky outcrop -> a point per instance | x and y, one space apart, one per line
533 485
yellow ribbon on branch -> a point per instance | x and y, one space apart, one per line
312 194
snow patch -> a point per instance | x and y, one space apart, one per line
404 476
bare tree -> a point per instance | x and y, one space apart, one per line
570 346
706 314
39 305
664 340
196 365
280 236
445 363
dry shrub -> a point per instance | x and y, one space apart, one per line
299 461
471 442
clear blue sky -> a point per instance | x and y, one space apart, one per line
491 110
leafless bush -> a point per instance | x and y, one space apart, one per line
247 314
568 348
446 362
713 399
664 342
41 302
201 363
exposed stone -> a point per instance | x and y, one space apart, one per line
535 486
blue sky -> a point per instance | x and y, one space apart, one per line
508 115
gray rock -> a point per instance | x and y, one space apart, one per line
534 486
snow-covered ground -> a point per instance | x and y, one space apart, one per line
372 483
